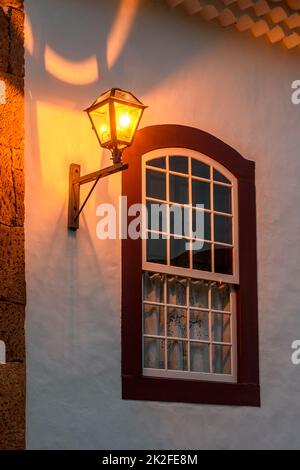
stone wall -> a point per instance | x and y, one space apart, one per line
12 265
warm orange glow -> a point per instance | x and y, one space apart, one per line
124 120
115 116
127 118
82 72
62 133
120 30
29 41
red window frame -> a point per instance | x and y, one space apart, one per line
135 386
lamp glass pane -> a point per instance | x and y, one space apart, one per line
127 118
101 122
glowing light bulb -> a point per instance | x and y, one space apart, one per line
124 120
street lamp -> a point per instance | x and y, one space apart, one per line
115 117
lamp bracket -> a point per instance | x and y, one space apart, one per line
76 180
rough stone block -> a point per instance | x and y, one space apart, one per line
11 189
19 190
7 193
12 406
18 159
4 41
12 3
12 112
12 330
12 264
16 49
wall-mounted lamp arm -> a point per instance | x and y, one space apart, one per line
75 181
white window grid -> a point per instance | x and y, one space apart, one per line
190 272
167 269
189 374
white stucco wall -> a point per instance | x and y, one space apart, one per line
188 72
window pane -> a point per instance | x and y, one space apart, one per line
223 259
221 331
222 199
157 162
223 229
154 322
176 289
199 357
156 216
156 184
179 164
202 256
199 293
156 249
179 220
177 355
153 287
201 193
220 296
221 359
200 169
219 177
154 353
199 325
179 252
179 189
176 322
201 224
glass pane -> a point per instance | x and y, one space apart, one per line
154 353
179 164
220 297
153 287
156 184
154 323
201 224
179 252
200 169
127 118
221 359
101 122
176 289
176 322
219 177
201 193
179 189
223 229
222 199
199 325
156 249
157 162
199 293
179 220
221 331
223 259
156 216
202 256
177 355
199 359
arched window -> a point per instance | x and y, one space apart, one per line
188 331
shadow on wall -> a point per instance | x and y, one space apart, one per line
74 51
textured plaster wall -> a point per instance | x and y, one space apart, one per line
188 72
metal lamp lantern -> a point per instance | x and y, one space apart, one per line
115 116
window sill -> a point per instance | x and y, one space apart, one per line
189 391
